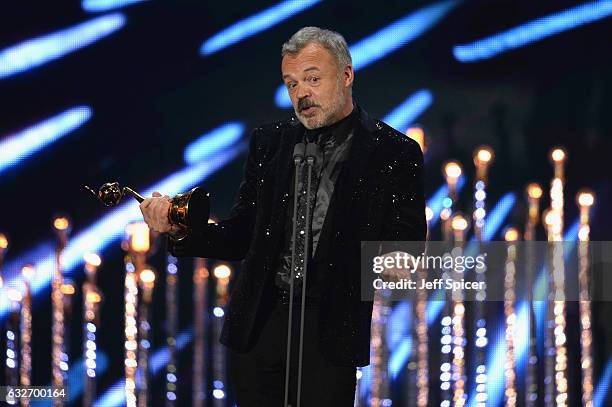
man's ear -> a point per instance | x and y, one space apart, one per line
348 75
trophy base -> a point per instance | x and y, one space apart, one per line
191 209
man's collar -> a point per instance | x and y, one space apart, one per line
338 130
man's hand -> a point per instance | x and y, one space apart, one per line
398 273
155 212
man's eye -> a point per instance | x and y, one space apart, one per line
291 85
314 79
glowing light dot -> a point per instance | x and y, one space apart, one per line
28 271
534 191
222 271
557 154
418 135
61 223
484 155
511 234
67 289
452 169
92 259
586 199
147 276
459 223
428 213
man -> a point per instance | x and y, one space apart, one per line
367 186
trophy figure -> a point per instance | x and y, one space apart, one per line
189 210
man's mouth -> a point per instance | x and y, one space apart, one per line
307 109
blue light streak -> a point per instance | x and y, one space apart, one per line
435 304
76 373
398 323
209 144
497 216
22 145
434 307
494 221
387 40
495 364
111 226
398 337
365 381
540 286
404 115
398 332
399 356
254 24
115 395
533 31
96 6
602 388
435 203
160 359
41 50
399 33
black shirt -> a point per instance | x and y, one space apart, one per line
334 143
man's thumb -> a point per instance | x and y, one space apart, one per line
156 194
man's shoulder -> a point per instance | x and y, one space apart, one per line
266 138
273 128
394 139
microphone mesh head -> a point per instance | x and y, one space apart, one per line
298 150
311 150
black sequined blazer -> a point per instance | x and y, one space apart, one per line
378 196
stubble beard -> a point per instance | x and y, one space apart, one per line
330 114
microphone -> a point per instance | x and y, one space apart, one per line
298 153
311 152
298 159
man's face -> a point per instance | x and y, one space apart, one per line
318 89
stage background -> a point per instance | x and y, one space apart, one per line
146 90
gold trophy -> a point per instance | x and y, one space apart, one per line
189 210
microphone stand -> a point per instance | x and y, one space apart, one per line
298 156
311 149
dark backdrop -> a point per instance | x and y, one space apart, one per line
151 94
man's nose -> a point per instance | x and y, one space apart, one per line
302 92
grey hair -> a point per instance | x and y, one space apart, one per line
330 40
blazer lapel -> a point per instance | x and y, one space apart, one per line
281 167
364 143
